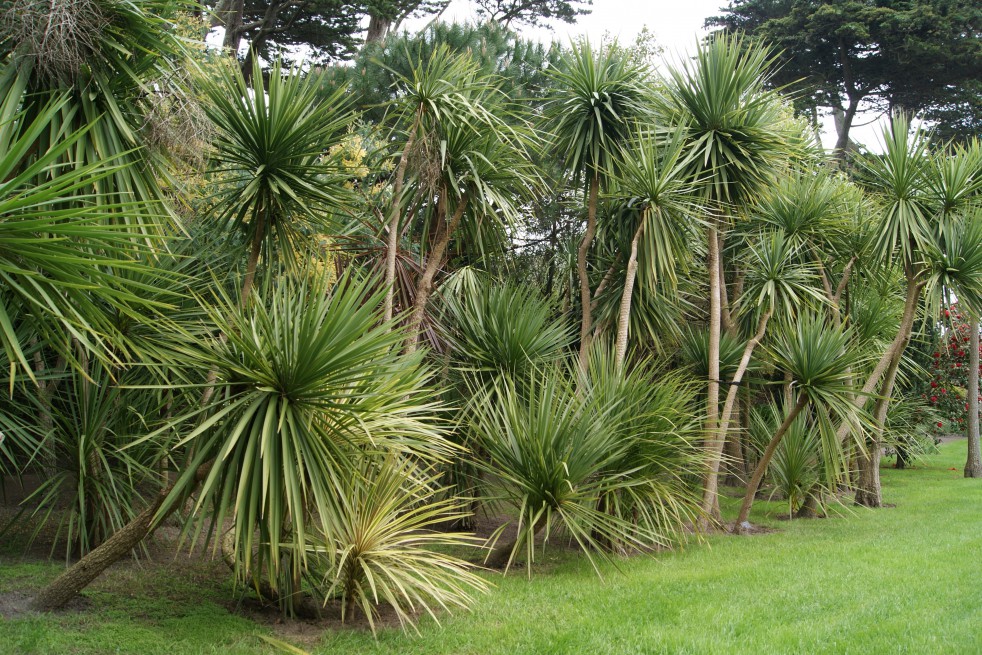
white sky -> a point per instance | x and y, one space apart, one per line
676 24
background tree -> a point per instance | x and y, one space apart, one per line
532 12
852 56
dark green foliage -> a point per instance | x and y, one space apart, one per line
922 55
517 64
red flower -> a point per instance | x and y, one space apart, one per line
933 384
934 399
940 424
943 390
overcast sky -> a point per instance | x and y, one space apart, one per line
676 24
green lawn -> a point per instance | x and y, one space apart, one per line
902 580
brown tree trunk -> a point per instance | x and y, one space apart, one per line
586 325
868 491
624 316
232 19
67 585
895 349
392 238
973 465
714 448
253 264
501 556
733 467
425 287
378 28
741 524
712 443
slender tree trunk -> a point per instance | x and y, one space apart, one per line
425 287
895 349
765 459
624 317
868 492
735 471
714 448
392 238
586 297
712 445
257 246
973 465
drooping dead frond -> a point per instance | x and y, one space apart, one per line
56 35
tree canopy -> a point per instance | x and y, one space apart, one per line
852 56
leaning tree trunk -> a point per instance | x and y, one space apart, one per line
748 498
973 465
67 585
894 350
586 298
624 316
868 492
712 390
425 287
714 448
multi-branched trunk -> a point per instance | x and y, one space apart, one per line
710 501
392 237
424 289
868 482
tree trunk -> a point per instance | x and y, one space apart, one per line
67 585
586 297
392 238
896 348
425 287
257 246
868 491
811 508
624 317
378 28
733 467
765 459
712 446
973 465
501 556
233 26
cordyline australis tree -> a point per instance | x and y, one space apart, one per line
736 133
655 183
596 101
274 174
436 92
482 174
928 227
820 362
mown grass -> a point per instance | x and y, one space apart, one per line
907 579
